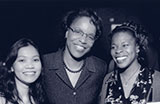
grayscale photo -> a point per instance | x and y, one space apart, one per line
79 52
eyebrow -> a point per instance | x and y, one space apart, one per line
77 28
27 56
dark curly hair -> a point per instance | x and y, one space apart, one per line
10 92
72 15
140 35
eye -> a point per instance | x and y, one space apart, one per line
113 47
36 60
21 60
77 31
125 45
90 37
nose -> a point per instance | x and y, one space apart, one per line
29 65
83 39
118 50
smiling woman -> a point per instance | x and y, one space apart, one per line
131 81
72 74
23 74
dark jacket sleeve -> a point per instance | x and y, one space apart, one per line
101 99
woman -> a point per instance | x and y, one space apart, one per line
23 76
72 74
131 82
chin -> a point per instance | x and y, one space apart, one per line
77 55
29 81
122 68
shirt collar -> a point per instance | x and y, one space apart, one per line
58 61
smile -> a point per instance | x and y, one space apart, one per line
79 47
121 59
29 72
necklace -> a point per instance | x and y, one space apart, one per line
77 71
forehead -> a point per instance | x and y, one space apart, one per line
122 36
84 24
82 20
28 51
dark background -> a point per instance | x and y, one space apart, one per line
40 20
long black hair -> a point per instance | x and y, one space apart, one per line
10 92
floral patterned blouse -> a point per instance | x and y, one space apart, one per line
139 94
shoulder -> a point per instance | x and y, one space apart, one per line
48 59
2 100
96 60
96 64
157 75
106 80
156 86
52 60
49 55
156 79
108 77
53 55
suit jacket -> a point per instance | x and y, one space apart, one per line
59 88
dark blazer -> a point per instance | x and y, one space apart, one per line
59 88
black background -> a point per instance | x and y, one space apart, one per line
40 20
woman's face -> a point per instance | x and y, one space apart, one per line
27 67
124 49
80 37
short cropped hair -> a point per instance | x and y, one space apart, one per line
95 19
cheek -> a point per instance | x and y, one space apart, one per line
17 67
17 72
132 50
71 37
70 40
90 45
112 52
38 66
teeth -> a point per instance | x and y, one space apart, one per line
121 58
29 73
80 47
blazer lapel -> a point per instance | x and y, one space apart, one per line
63 76
83 77
86 73
58 66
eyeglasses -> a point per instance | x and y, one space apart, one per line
80 34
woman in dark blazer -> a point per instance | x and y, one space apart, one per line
72 75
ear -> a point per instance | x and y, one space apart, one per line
66 34
137 48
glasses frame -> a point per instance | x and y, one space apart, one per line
81 34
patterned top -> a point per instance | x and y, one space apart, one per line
139 94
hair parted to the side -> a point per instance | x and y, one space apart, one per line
140 35
10 92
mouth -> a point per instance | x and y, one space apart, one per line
121 59
80 47
29 72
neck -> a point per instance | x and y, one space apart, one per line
23 90
132 69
